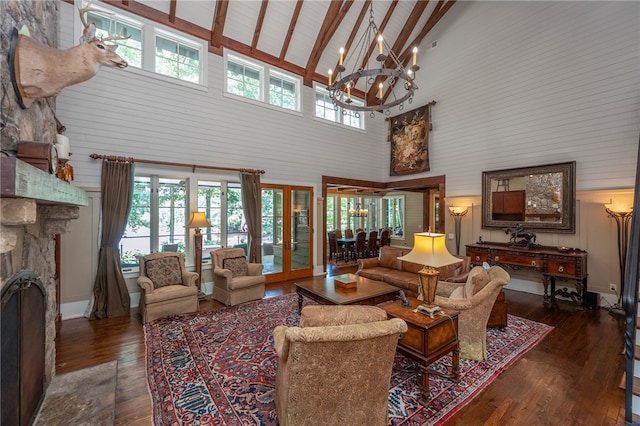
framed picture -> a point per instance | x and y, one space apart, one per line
409 137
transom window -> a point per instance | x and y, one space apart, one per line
177 59
326 110
260 82
129 49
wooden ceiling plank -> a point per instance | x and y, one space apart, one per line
259 55
333 18
399 43
292 26
260 21
172 11
217 26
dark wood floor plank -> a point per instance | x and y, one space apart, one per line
569 378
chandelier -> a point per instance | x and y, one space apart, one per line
358 212
389 75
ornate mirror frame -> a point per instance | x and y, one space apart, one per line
551 209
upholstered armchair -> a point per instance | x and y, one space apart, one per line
167 288
335 367
474 299
234 279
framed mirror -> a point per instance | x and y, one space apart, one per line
541 198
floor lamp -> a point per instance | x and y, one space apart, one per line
457 213
198 220
622 215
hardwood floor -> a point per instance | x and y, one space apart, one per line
569 378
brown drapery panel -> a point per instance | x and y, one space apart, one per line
111 297
252 205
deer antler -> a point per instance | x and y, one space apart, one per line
88 34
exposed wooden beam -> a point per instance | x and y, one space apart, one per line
381 27
219 19
172 11
441 9
245 49
260 21
292 26
335 14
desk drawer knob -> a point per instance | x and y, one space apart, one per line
497 258
477 257
533 263
560 268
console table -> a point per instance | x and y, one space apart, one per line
553 262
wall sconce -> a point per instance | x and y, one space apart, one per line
457 213
198 220
622 214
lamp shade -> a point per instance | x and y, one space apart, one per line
430 250
619 208
457 210
198 220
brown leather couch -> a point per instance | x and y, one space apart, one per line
387 268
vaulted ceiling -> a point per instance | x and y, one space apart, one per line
299 36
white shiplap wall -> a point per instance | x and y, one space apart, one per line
527 83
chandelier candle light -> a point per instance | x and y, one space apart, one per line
429 250
389 72
358 212
198 220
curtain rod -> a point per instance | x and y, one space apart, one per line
168 163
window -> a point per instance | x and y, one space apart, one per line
282 91
175 58
248 79
160 211
243 80
128 49
393 215
326 110
150 46
157 218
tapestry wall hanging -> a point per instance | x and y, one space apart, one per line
409 137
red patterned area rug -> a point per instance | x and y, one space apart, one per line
219 367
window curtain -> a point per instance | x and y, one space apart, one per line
252 206
111 297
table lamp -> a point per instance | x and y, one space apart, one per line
198 220
429 250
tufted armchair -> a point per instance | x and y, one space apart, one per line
167 288
234 279
336 366
474 299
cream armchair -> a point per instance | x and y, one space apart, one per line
474 299
167 288
336 366
234 279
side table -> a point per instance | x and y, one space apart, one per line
427 339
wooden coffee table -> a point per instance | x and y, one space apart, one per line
324 291
427 340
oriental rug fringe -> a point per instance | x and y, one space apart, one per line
219 367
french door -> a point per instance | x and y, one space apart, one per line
287 232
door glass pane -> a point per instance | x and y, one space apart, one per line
300 230
237 233
272 208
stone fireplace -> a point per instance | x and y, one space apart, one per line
35 209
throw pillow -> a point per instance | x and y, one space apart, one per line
480 280
237 265
470 285
163 271
458 293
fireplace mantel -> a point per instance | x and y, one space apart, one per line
22 180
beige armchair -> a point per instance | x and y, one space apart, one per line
474 299
167 288
336 366
234 279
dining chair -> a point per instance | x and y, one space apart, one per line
384 238
349 233
360 246
338 234
334 249
372 244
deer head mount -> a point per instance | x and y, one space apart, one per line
39 71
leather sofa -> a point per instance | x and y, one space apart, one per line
387 268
